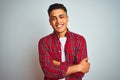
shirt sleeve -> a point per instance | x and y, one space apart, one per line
46 61
81 53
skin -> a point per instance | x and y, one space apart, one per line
58 20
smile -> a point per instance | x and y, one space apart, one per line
59 25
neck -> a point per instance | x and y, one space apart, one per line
62 34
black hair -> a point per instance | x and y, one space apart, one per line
56 6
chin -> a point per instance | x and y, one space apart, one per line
59 31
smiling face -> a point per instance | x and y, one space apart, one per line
58 20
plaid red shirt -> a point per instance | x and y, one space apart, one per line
50 49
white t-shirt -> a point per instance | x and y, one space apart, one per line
63 41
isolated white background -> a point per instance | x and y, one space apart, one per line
24 22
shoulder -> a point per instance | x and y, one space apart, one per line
45 38
78 38
76 35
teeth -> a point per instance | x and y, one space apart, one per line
59 25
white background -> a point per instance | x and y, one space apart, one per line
24 22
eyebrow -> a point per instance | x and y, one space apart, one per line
58 15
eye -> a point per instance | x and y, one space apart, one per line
53 18
61 16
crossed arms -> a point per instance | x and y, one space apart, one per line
83 67
55 69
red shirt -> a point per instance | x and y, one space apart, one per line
50 49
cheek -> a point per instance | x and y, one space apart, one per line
52 22
66 20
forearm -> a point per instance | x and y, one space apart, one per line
82 67
72 69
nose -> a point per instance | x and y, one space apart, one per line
58 20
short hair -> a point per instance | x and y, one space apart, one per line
56 6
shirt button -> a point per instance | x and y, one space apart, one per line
59 51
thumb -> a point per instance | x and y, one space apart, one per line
85 59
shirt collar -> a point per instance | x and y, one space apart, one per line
57 37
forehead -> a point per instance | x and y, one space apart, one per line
57 12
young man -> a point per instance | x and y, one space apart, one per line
62 54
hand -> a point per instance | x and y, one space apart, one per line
84 66
56 63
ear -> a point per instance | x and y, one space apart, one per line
67 18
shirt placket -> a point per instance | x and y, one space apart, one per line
59 49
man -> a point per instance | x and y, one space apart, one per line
62 54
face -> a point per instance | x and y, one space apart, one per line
59 20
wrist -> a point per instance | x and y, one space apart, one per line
79 67
56 63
